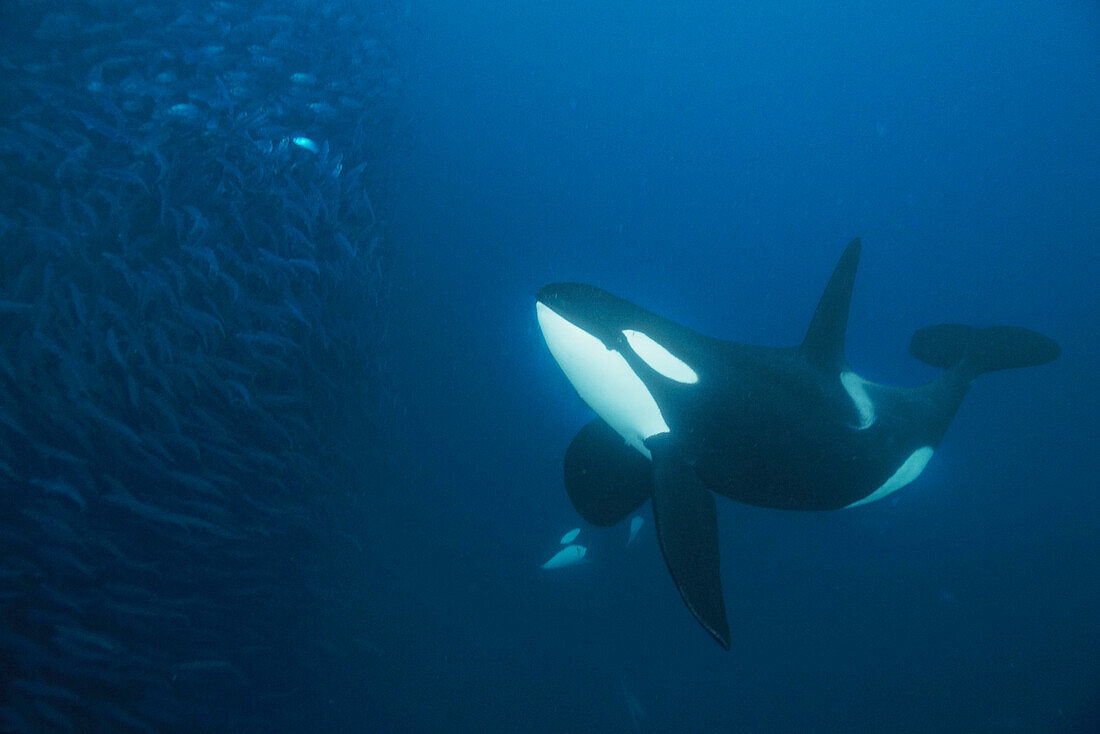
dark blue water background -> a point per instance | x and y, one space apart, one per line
350 537
709 161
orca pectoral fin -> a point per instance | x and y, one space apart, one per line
606 478
687 530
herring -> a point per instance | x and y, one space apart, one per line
306 143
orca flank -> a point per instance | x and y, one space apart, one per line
681 416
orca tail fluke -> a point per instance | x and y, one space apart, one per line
978 351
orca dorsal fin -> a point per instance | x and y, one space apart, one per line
824 342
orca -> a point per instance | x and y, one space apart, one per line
681 417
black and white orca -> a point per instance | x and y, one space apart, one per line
681 415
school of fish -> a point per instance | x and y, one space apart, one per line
193 301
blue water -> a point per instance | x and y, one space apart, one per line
709 161
281 442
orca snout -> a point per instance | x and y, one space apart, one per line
566 298
584 306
